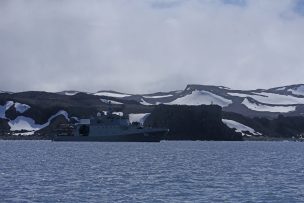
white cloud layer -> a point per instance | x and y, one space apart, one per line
149 45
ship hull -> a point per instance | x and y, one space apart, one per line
136 137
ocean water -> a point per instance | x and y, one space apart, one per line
44 171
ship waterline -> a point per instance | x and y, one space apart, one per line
155 136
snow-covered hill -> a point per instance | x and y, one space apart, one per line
199 97
287 100
35 110
267 102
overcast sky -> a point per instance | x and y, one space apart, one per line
141 46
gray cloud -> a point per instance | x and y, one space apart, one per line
150 45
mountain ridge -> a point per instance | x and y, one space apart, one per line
41 109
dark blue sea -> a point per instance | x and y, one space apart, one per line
45 171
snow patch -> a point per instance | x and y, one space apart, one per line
24 133
106 101
4 108
138 117
26 123
71 93
240 127
143 102
223 87
280 88
111 94
156 97
118 113
266 108
238 94
271 98
299 91
202 97
21 108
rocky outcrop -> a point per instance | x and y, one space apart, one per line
191 122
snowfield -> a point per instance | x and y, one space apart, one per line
138 117
240 127
266 108
111 94
202 97
271 98
21 108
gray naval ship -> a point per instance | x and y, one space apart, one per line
109 127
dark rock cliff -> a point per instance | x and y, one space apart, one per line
191 122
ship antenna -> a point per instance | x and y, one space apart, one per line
110 108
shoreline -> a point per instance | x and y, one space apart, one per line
13 137
251 138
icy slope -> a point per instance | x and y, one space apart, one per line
267 108
240 127
201 97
